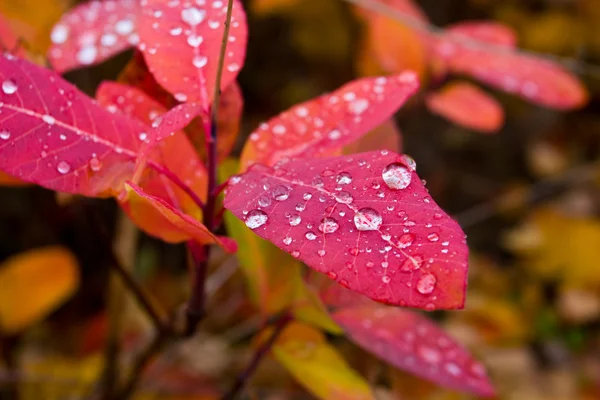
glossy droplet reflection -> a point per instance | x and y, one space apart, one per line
328 225
256 218
396 176
367 219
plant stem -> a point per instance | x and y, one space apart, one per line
178 182
260 353
196 305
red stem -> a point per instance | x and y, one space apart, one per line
178 182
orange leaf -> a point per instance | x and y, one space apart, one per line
385 136
34 284
160 219
467 105
9 180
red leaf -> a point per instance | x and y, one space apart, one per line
57 137
181 45
411 342
483 31
365 220
93 32
175 152
465 104
327 123
8 39
174 120
538 80
160 219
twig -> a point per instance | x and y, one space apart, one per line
178 182
580 67
260 353
196 305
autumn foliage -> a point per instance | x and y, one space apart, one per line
322 185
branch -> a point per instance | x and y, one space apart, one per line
196 305
578 66
260 353
178 182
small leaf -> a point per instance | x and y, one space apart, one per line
325 124
483 31
181 44
318 366
172 121
166 222
411 342
53 135
9 39
175 152
537 80
33 285
93 32
365 220
467 105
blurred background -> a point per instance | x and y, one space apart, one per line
527 195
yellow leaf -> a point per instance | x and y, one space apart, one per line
32 20
34 284
265 7
317 365
9 180
557 246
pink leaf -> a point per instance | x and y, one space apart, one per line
411 342
175 152
365 220
483 31
92 32
465 104
160 219
327 123
174 120
538 80
181 43
54 135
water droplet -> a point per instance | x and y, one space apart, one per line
453 369
396 176
328 225
124 27
264 201
433 237
405 240
332 275
410 162
235 179
321 253
4 134
310 235
429 355
95 164
194 40
9 86
300 207
200 61
256 218
354 251
334 134
344 178
59 34
193 16
358 106
63 167
143 136
281 193
411 264
367 219
49 119
344 198
426 283
295 254
386 279
287 240
295 220
307 196
318 182
87 54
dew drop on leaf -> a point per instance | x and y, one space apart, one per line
307 196
287 240
321 253
367 219
344 198
396 176
344 178
405 240
256 218
49 119
328 225
9 86
4 134
63 167
411 264
295 220
310 235
410 162
433 237
426 284
192 16
264 201
281 193
95 164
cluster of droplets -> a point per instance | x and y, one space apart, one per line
93 32
193 22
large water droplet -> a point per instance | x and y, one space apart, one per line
411 264
344 198
281 193
256 218
4 134
410 162
328 225
396 176
344 178
405 240
426 283
193 16
63 167
9 86
367 219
